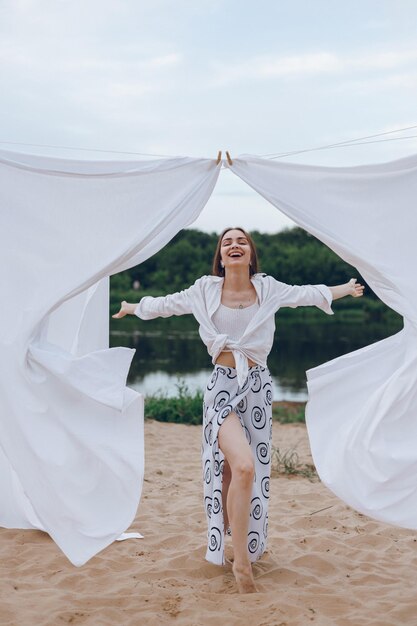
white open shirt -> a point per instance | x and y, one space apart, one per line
203 298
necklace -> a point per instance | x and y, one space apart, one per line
241 306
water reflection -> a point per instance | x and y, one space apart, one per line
169 350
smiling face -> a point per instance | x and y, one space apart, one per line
235 249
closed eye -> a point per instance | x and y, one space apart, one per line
227 242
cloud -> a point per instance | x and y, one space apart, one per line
374 84
314 63
106 80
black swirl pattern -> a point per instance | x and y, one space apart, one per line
256 383
225 412
213 380
208 433
208 505
216 468
256 508
265 486
222 398
262 453
215 539
253 541
231 373
258 417
207 471
217 501
243 405
221 415
267 388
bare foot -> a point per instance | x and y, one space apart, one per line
244 578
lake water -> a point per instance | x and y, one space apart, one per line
171 351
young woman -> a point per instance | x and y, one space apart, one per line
236 308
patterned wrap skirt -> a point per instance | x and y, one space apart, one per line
252 403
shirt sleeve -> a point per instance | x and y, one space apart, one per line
179 303
305 295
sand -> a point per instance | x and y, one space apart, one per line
326 564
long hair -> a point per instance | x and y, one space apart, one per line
218 270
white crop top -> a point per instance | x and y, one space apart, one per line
233 322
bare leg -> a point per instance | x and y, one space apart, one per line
234 445
227 475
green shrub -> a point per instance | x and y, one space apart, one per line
289 414
185 408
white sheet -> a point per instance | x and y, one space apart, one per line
71 449
362 409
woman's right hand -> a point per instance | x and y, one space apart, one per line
125 309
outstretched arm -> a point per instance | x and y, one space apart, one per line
318 295
125 309
148 308
352 288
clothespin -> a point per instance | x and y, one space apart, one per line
219 157
229 160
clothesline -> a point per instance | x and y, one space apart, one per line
337 145
44 145
349 142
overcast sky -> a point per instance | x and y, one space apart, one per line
190 77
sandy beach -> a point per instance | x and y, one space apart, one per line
326 564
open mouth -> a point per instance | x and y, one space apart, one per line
235 254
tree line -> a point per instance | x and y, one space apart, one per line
291 256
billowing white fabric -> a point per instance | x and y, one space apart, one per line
71 445
362 409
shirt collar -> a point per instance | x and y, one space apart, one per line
213 301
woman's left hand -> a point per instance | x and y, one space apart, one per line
355 289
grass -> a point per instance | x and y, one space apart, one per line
288 463
185 408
